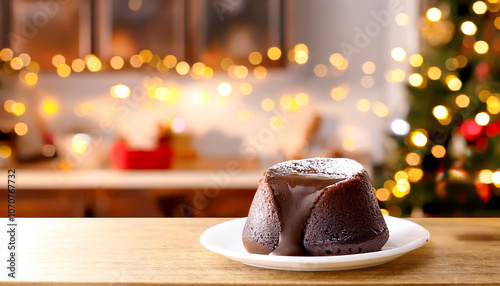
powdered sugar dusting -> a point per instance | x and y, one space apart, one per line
338 168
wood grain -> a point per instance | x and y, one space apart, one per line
166 251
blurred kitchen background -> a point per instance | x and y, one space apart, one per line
127 108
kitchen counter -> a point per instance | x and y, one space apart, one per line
167 251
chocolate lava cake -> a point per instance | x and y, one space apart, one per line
319 206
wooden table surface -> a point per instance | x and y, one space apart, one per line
166 251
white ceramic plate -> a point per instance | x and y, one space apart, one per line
225 239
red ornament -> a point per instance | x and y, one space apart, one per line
493 129
482 70
470 129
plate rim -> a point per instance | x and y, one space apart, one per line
252 257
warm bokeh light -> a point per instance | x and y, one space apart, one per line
146 56
438 151
301 47
402 19
496 178
93 63
434 14
63 70
363 105
380 109
396 75
367 81
136 61
18 108
482 118
416 60
418 138
301 57
320 70
58 60
243 115
276 123
398 54
462 101
120 91
382 194
274 53
255 58
16 63
267 104
78 65
468 28
80 142
493 104
481 47
8 105
415 79
413 159
25 58
5 151
302 99
338 61
224 89
246 88
6 54
49 107
162 93
485 177
31 78
116 62
349 144
260 72
454 84
400 175
201 97
241 72
199 68
451 64
415 175
479 7
440 112
170 61
434 73
400 127
368 67
340 92
182 68
21 128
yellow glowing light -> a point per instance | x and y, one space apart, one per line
135 5
398 75
260 72
136 61
479 7
399 191
31 78
225 63
208 73
434 14
201 97
454 84
402 19
384 211
170 61
146 56
5 151
301 57
481 47
302 99
368 67
49 107
25 58
79 143
484 94
413 159
243 115
485 177
462 61
120 91
340 92
231 71
94 64
497 23
382 194
418 138
16 63
301 47
276 123
18 108
117 62
440 112
8 105
274 53
380 109
415 79
349 145
493 105
416 60
255 58
320 70
63 70
400 175
482 118
182 68
496 178
21 128
389 184
398 54
224 89
363 105
468 28
199 68
451 64
343 65
415 175
367 81
462 101
434 73
162 93
58 60
6 54
78 65
246 88
33 67
438 151
241 72
267 104
336 59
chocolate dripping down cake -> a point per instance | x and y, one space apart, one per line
318 207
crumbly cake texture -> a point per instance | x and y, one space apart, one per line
344 217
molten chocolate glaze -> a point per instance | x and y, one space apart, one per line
295 195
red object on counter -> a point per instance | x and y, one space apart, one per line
123 157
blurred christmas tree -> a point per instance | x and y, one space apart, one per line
449 148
